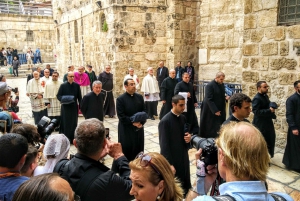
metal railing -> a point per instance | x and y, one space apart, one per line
200 85
26 8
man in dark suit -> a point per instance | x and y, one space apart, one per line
179 72
161 74
190 70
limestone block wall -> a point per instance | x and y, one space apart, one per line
13 34
269 53
140 34
220 28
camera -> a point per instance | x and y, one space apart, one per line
46 126
15 90
107 133
209 149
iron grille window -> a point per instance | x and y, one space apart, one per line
289 12
29 35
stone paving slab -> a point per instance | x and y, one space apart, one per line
279 178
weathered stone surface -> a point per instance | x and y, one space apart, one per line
252 91
267 18
294 31
245 62
277 64
249 76
268 76
268 49
259 63
284 48
256 5
248 6
257 35
233 40
226 22
215 41
250 49
250 22
277 33
287 78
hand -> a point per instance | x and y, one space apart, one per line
188 95
27 94
227 97
114 149
272 109
195 104
39 96
137 124
295 132
17 93
218 113
48 106
187 137
163 101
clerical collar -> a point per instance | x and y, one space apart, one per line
130 94
236 117
175 114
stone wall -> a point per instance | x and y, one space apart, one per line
220 34
140 34
269 53
13 33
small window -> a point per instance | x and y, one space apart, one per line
289 12
103 24
76 31
29 35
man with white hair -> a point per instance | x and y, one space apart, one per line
131 75
151 93
46 77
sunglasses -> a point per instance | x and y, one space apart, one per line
146 160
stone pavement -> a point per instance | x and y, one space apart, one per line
279 178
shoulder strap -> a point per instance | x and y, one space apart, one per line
59 167
277 197
223 198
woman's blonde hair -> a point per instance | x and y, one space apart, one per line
245 150
172 188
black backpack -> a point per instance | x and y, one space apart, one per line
85 181
229 198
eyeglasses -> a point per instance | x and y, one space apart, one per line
146 160
76 197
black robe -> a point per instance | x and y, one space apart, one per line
291 157
190 115
167 92
92 106
107 87
263 119
213 102
69 112
131 138
92 77
174 148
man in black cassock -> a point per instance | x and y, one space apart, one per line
130 134
91 74
186 86
291 157
92 103
161 73
213 112
240 106
107 88
69 111
174 141
167 92
263 115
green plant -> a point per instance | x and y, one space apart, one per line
104 27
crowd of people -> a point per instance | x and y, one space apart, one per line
153 176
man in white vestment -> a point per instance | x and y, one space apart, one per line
151 93
134 77
50 99
46 77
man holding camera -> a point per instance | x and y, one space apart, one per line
89 178
263 115
174 138
243 161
